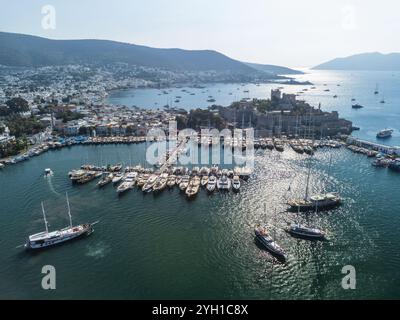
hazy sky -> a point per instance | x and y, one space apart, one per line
292 33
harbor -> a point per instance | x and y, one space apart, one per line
210 225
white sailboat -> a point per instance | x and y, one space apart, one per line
47 239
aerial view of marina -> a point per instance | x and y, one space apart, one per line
142 172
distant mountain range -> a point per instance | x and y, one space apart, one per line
30 51
364 61
269 68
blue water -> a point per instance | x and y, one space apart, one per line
164 246
359 85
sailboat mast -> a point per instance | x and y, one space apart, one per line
69 210
44 217
308 179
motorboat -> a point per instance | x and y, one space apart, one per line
48 172
171 181
211 184
301 231
224 183
105 180
204 181
386 133
193 187
128 182
148 186
236 183
184 183
161 182
268 242
117 178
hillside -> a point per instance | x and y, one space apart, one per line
31 51
364 61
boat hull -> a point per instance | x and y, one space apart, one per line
306 236
270 249
88 230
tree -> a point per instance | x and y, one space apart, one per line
17 105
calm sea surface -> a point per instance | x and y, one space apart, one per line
163 246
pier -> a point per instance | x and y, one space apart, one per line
389 150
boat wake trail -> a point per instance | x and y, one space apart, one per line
98 251
49 181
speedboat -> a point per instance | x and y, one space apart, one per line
236 183
48 172
298 230
266 240
386 133
357 106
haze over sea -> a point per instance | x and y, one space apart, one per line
163 246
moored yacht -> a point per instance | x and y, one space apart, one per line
204 181
236 183
171 181
117 178
298 230
184 183
128 183
266 240
148 186
319 201
224 183
193 187
161 182
105 180
212 183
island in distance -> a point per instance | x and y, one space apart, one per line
373 61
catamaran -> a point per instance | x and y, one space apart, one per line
47 239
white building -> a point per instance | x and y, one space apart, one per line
5 136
